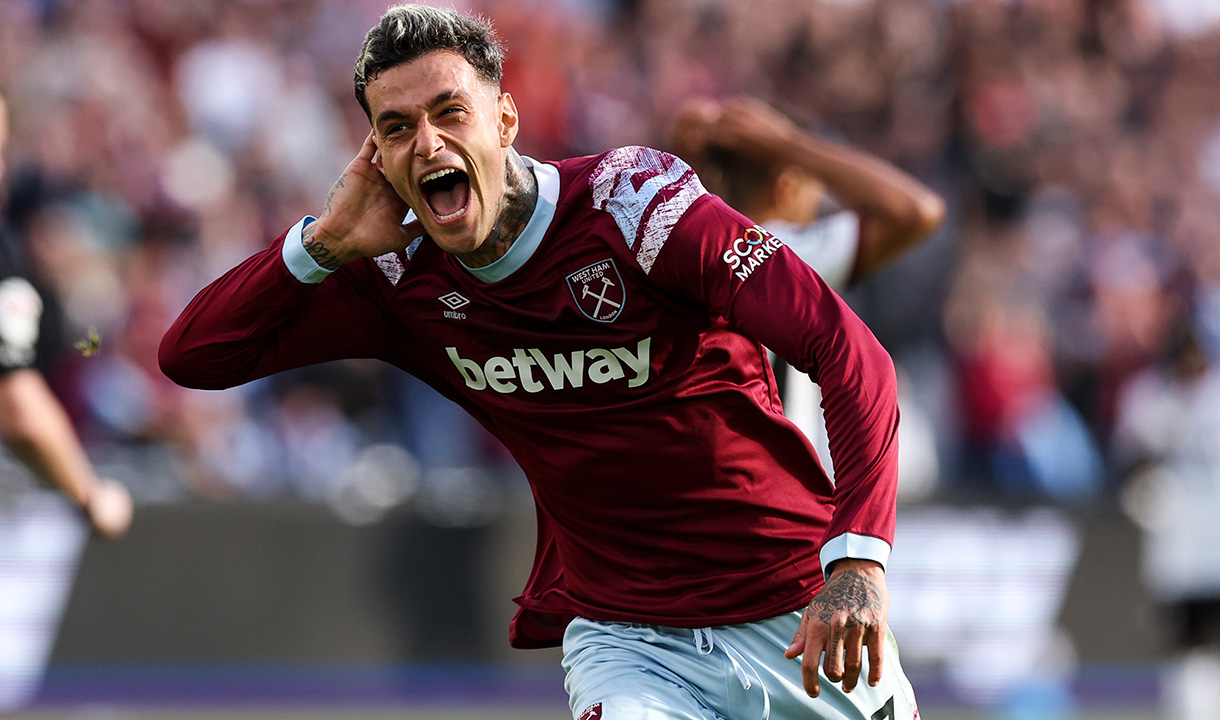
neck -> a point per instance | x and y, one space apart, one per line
516 208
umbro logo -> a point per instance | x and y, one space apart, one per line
454 300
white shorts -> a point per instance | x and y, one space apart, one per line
629 671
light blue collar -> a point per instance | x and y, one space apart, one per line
525 245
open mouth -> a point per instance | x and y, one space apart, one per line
447 193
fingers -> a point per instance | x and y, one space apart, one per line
837 640
369 149
745 113
853 660
875 640
810 638
815 640
699 113
839 648
845 650
690 128
738 129
798 641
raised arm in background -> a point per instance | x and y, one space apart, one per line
769 169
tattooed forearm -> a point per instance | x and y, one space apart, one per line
319 252
850 592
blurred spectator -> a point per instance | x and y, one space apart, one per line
1168 442
1019 434
40 541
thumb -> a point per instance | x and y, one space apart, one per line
798 641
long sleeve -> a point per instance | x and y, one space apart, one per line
260 318
742 273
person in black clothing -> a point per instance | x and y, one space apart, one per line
33 423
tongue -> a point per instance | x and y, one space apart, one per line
447 202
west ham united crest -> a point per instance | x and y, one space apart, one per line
598 291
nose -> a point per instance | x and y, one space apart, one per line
428 141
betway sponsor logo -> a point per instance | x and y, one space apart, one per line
533 371
750 251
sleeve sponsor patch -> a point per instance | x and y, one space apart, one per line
646 191
748 252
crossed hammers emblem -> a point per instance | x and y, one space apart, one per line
607 283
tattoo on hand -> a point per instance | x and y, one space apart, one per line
319 252
850 592
331 195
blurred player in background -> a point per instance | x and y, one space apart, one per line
33 423
1167 441
846 213
604 317
40 543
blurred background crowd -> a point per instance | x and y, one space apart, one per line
155 143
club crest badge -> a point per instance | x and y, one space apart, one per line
598 291
593 712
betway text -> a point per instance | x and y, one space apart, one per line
531 370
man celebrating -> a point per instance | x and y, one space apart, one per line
604 317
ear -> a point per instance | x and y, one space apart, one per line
508 120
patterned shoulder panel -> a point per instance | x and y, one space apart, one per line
646 191
394 264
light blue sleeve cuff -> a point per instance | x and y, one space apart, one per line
859 547
300 264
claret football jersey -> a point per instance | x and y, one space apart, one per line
617 352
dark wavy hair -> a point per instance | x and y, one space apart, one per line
407 32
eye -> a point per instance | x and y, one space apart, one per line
395 128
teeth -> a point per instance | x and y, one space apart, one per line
440 174
434 175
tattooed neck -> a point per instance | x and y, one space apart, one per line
516 209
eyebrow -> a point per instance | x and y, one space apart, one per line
442 97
